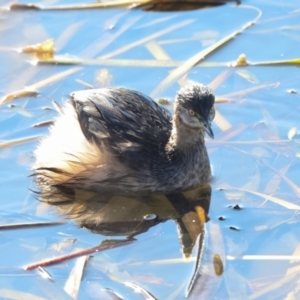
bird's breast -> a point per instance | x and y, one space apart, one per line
186 171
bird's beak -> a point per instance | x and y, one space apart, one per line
208 129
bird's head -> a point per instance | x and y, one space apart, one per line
194 107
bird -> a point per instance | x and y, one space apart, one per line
118 140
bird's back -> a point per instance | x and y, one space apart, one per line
126 123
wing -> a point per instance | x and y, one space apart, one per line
126 123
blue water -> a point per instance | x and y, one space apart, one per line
265 228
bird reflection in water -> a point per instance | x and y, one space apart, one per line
123 215
128 216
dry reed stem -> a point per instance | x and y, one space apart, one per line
111 4
217 143
25 225
245 92
66 35
295 61
294 186
147 39
221 121
14 294
275 285
105 40
271 198
62 258
274 183
157 21
265 257
151 63
32 89
72 284
217 81
12 143
158 52
191 62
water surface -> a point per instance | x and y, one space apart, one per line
255 155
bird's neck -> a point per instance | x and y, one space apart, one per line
184 140
187 158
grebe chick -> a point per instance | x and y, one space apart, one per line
121 141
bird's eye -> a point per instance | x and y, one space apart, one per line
192 113
212 114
